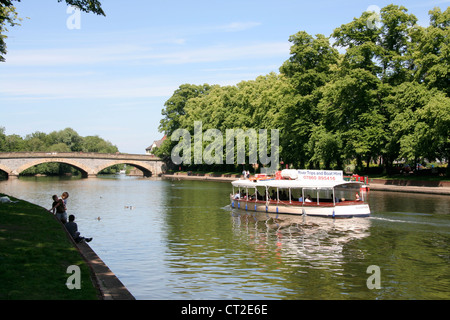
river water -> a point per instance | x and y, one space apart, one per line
180 240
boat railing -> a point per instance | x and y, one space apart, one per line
357 178
322 202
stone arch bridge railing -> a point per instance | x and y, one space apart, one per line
90 164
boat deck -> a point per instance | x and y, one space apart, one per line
322 203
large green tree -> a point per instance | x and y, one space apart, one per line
66 140
349 109
384 95
421 125
383 50
174 109
431 51
311 62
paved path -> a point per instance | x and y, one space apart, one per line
410 189
109 286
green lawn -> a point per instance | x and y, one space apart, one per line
35 253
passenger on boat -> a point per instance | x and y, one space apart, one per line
357 198
259 196
308 198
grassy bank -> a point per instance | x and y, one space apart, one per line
35 253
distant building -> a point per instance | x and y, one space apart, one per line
156 144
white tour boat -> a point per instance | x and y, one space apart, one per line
322 193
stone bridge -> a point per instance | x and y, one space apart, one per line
90 164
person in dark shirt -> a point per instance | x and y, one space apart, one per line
59 207
72 228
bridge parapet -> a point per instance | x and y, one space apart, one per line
89 155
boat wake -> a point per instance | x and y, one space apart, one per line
435 223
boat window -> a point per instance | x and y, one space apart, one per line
347 193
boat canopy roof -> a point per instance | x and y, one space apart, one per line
295 184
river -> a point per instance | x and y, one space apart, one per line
180 240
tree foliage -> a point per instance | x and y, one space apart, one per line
67 140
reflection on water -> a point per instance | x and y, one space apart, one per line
308 239
180 240
307 251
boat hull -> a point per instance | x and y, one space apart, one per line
340 210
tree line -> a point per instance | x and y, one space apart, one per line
376 90
67 140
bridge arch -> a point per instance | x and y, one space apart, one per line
5 169
146 169
85 171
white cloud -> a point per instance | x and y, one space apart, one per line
72 56
129 54
222 53
85 88
144 64
238 26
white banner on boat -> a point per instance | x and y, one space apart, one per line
320 175
313 175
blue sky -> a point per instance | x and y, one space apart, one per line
112 76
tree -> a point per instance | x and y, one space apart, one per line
360 40
384 51
431 51
350 107
93 6
2 139
8 16
173 111
395 41
85 5
311 62
97 144
67 136
174 107
325 146
59 147
422 122
14 143
434 118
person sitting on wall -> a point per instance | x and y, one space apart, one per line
72 228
